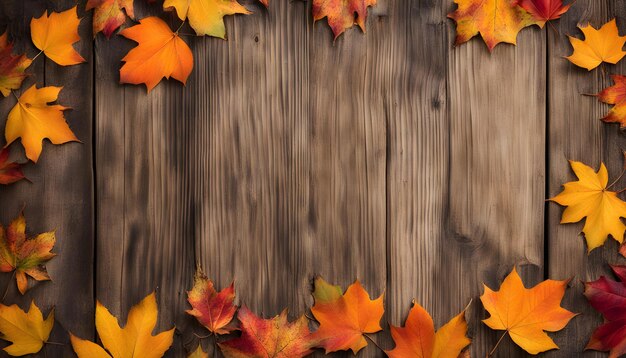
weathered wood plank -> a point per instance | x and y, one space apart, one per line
61 193
577 133
495 193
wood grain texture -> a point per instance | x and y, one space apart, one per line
60 196
577 133
496 186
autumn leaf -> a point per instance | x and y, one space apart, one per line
206 17
25 256
109 14
615 95
342 14
12 68
275 337
588 197
604 45
544 10
525 314
135 340
212 309
159 53
55 34
418 338
344 318
265 2
33 119
198 353
496 20
10 172
26 330
609 298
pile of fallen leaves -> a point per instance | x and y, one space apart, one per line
338 320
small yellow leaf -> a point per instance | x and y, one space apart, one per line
588 197
604 45
206 17
199 353
34 120
27 330
135 340
55 34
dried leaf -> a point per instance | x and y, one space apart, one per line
526 313
615 95
26 330
345 317
10 172
342 14
604 45
544 10
25 256
54 34
12 68
109 15
212 309
588 197
159 53
33 120
135 340
206 17
198 353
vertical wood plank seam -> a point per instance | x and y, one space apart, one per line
94 160
546 203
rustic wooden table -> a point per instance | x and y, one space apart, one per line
392 157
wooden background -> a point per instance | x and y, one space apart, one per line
392 157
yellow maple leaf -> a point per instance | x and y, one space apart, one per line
604 45
198 353
525 314
28 331
55 34
34 120
206 17
135 340
588 197
496 20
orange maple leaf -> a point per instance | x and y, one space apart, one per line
12 68
342 14
603 45
214 310
159 53
109 14
274 337
496 20
418 338
526 313
615 95
33 120
344 318
25 256
55 33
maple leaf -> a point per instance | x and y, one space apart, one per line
33 120
265 2
109 15
25 256
525 314
159 53
212 309
588 197
342 14
604 45
615 95
54 35
206 17
345 317
10 172
496 20
544 10
28 331
198 353
609 298
12 68
275 337
135 340
418 338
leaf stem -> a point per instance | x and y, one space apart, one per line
55 343
497 344
202 337
37 55
6 290
179 27
373 341
616 180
